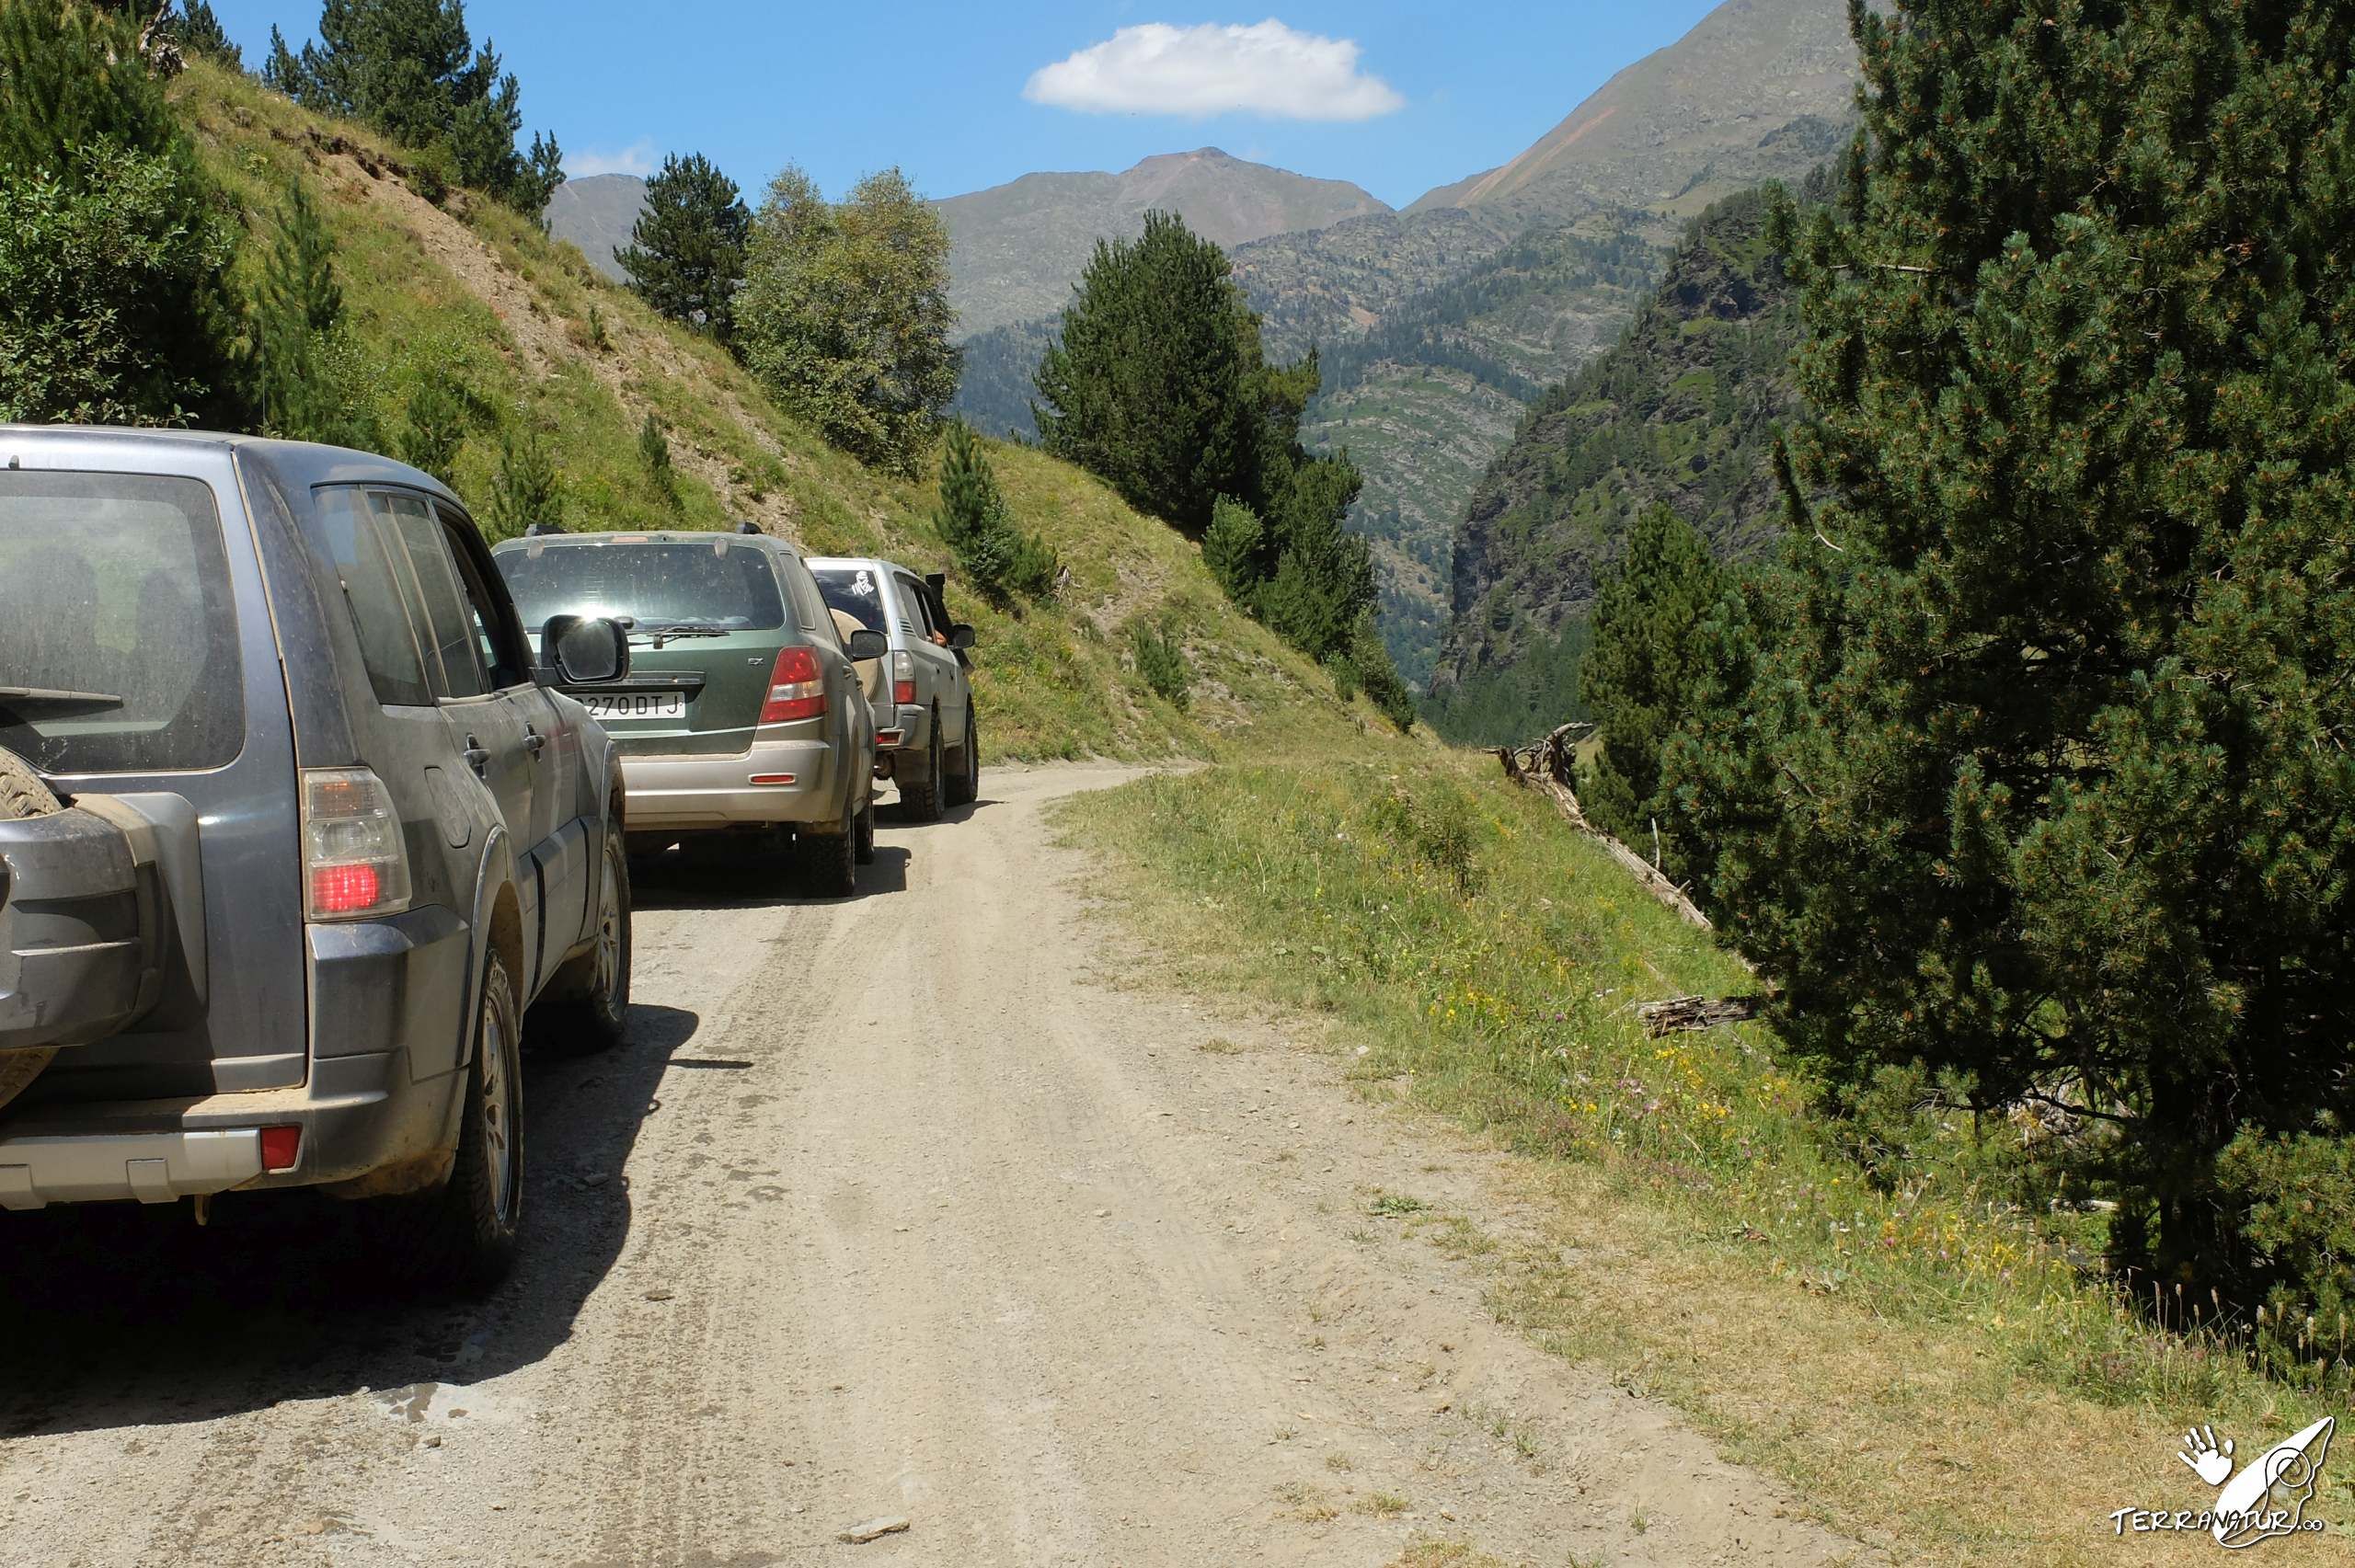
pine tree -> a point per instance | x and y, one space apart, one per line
977 526
439 416
1641 677
686 252
313 383
410 69
2044 784
654 450
1231 548
527 489
113 249
1151 384
283 72
1324 574
199 32
845 314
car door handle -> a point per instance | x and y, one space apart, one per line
534 742
476 757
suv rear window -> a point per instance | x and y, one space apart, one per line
662 582
117 633
857 592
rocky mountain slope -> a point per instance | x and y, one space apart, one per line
1759 90
1019 246
542 345
1710 114
1681 410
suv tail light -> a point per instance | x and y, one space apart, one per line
795 689
903 675
354 863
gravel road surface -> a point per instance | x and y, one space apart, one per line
927 1205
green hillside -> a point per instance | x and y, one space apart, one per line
541 341
1682 410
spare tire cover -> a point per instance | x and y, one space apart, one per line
22 794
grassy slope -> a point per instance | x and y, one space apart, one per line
473 287
1926 1368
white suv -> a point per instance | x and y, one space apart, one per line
927 739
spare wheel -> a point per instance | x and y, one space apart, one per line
22 794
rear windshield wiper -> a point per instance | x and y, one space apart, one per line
51 698
661 634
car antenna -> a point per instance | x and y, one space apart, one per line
742 527
536 530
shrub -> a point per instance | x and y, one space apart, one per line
112 244
1160 661
654 450
527 489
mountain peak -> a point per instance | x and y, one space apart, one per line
1748 71
1019 245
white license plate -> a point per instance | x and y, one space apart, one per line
611 705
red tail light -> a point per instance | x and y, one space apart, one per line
795 690
281 1148
903 675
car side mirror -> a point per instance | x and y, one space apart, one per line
960 637
866 645
584 650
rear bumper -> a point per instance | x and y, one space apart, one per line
363 1121
914 723
691 793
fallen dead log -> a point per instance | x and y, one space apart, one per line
1697 1012
1547 768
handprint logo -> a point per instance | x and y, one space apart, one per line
2270 1494
2208 1462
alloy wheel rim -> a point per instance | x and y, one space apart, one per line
609 933
497 1117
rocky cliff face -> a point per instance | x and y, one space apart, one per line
1682 410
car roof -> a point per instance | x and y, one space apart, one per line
300 463
872 563
647 537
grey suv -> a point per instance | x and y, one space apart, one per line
928 739
292 833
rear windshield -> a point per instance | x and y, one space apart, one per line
118 637
661 582
856 591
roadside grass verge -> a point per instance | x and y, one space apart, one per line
1923 1363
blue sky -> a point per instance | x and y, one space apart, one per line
1428 95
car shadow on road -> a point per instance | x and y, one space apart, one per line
122 1316
756 880
896 815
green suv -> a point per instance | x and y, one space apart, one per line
743 713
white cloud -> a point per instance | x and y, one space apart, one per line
638 158
1266 69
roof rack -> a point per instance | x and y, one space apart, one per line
747 527
538 529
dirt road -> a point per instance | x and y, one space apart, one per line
910 1205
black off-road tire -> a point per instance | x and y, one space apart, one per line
829 862
919 798
464 1235
586 1008
965 783
863 850
22 794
